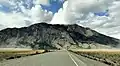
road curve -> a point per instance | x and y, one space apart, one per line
59 58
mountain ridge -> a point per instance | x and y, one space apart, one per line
47 36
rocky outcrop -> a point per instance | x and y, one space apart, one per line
47 36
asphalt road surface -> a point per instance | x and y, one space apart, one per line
59 58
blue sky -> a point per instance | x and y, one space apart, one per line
104 13
4 8
54 6
30 11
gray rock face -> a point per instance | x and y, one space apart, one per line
47 36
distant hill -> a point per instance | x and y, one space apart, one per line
48 36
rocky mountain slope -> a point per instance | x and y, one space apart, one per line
47 36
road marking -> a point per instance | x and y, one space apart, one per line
82 63
72 59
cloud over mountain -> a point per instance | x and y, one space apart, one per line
21 13
83 13
100 15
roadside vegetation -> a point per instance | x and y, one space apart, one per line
110 57
12 54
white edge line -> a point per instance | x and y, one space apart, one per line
73 59
79 60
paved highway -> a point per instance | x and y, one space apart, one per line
59 58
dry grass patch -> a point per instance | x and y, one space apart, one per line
108 56
11 54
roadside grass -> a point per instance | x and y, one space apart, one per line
107 56
12 54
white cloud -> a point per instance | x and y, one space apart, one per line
81 12
38 15
2 27
112 26
12 19
107 25
21 16
44 2
59 18
74 11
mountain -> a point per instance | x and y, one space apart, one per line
48 36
